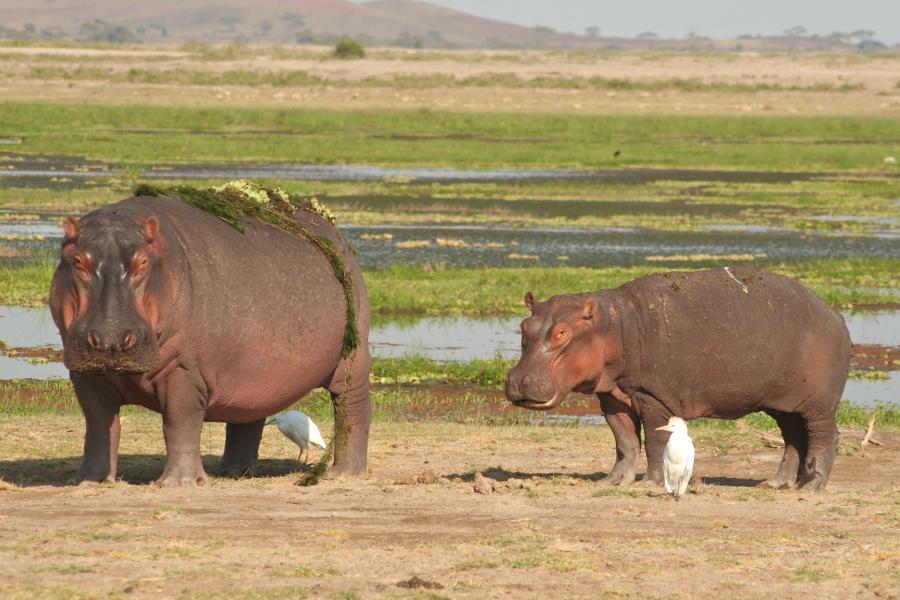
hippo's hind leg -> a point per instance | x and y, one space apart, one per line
793 431
626 428
653 415
822 444
241 449
349 389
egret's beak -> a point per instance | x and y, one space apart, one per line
271 421
663 428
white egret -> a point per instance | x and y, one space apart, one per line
298 428
678 457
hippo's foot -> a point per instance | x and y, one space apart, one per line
183 474
347 468
89 474
237 469
650 482
813 478
619 475
776 483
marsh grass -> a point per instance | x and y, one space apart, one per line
441 291
144 134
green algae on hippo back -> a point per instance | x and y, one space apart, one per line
238 200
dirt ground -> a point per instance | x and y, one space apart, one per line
877 76
415 528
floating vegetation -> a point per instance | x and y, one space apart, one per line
452 243
702 257
518 256
377 236
238 200
413 244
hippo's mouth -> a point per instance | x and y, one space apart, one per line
98 365
538 405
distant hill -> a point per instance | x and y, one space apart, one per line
383 22
405 23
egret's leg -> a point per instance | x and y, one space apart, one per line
241 448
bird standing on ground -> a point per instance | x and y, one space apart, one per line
678 457
298 428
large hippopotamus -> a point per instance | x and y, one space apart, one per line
720 343
163 304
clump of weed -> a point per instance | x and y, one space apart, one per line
238 200
348 48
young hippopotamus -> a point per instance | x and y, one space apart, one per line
164 305
720 343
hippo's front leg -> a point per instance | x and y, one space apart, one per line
626 428
100 403
184 409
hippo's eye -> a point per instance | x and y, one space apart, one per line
79 263
560 333
139 264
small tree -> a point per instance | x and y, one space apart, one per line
348 48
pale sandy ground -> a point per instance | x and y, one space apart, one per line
879 77
562 535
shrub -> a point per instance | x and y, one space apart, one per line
348 48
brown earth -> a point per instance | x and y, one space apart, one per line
877 76
417 529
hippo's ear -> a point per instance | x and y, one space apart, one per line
71 228
150 229
590 310
529 301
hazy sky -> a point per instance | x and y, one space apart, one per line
677 18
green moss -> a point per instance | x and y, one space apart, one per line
239 200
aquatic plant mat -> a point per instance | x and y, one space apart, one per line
239 200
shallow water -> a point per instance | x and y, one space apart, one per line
460 339
28 166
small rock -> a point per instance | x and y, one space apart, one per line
889 160
426 477
483 485
416 582
128 589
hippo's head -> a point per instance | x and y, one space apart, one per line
565 347
102 296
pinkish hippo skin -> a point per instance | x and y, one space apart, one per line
721 343
163 305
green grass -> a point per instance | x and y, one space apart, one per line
418 291
145 134
499 291
476 405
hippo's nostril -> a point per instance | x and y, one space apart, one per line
526 381
129 340
93 341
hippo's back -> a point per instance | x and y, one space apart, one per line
726 342
267 312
